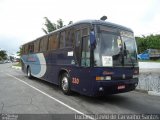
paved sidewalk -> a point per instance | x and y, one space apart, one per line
17 67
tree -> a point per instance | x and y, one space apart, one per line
49 26
19 53
148 42
1 58
59 24
70 22
3 54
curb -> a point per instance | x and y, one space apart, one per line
16 67
148 92
154 93
142 91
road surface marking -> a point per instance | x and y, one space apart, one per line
73 109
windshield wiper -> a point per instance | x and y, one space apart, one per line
122 55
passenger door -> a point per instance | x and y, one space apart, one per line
85 52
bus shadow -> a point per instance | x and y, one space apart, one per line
105 99
44 83
100 99
123 100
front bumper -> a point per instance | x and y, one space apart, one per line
112 87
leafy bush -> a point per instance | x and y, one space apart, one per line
148 42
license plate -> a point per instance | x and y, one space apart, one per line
121 87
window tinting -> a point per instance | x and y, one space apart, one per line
62 40
84 32
31 48
78 37
69 38
53 42
26 49
43 44
36 46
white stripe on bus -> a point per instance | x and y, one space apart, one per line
42 66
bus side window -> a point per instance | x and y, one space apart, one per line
78 37
43 44
85 32
26 49
72 37
53 42
31 48
85 60
77 46
36 46
23 50
69 40
62 39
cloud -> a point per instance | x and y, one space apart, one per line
22 20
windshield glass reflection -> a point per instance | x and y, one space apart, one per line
115 48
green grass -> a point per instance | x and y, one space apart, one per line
18 64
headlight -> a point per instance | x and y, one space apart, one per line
103 78
135 76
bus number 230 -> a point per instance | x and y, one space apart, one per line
75 80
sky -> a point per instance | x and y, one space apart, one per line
22 21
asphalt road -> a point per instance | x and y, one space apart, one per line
19 95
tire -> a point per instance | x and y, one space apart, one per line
65 84
29 73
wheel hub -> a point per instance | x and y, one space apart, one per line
65 83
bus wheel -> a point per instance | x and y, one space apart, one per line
29 73
65 84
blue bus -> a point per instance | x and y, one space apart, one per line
90 57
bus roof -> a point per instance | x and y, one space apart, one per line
92 22
95 22
101 22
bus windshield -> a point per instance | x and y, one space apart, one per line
114 48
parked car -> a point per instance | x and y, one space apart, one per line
149 54
7 61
